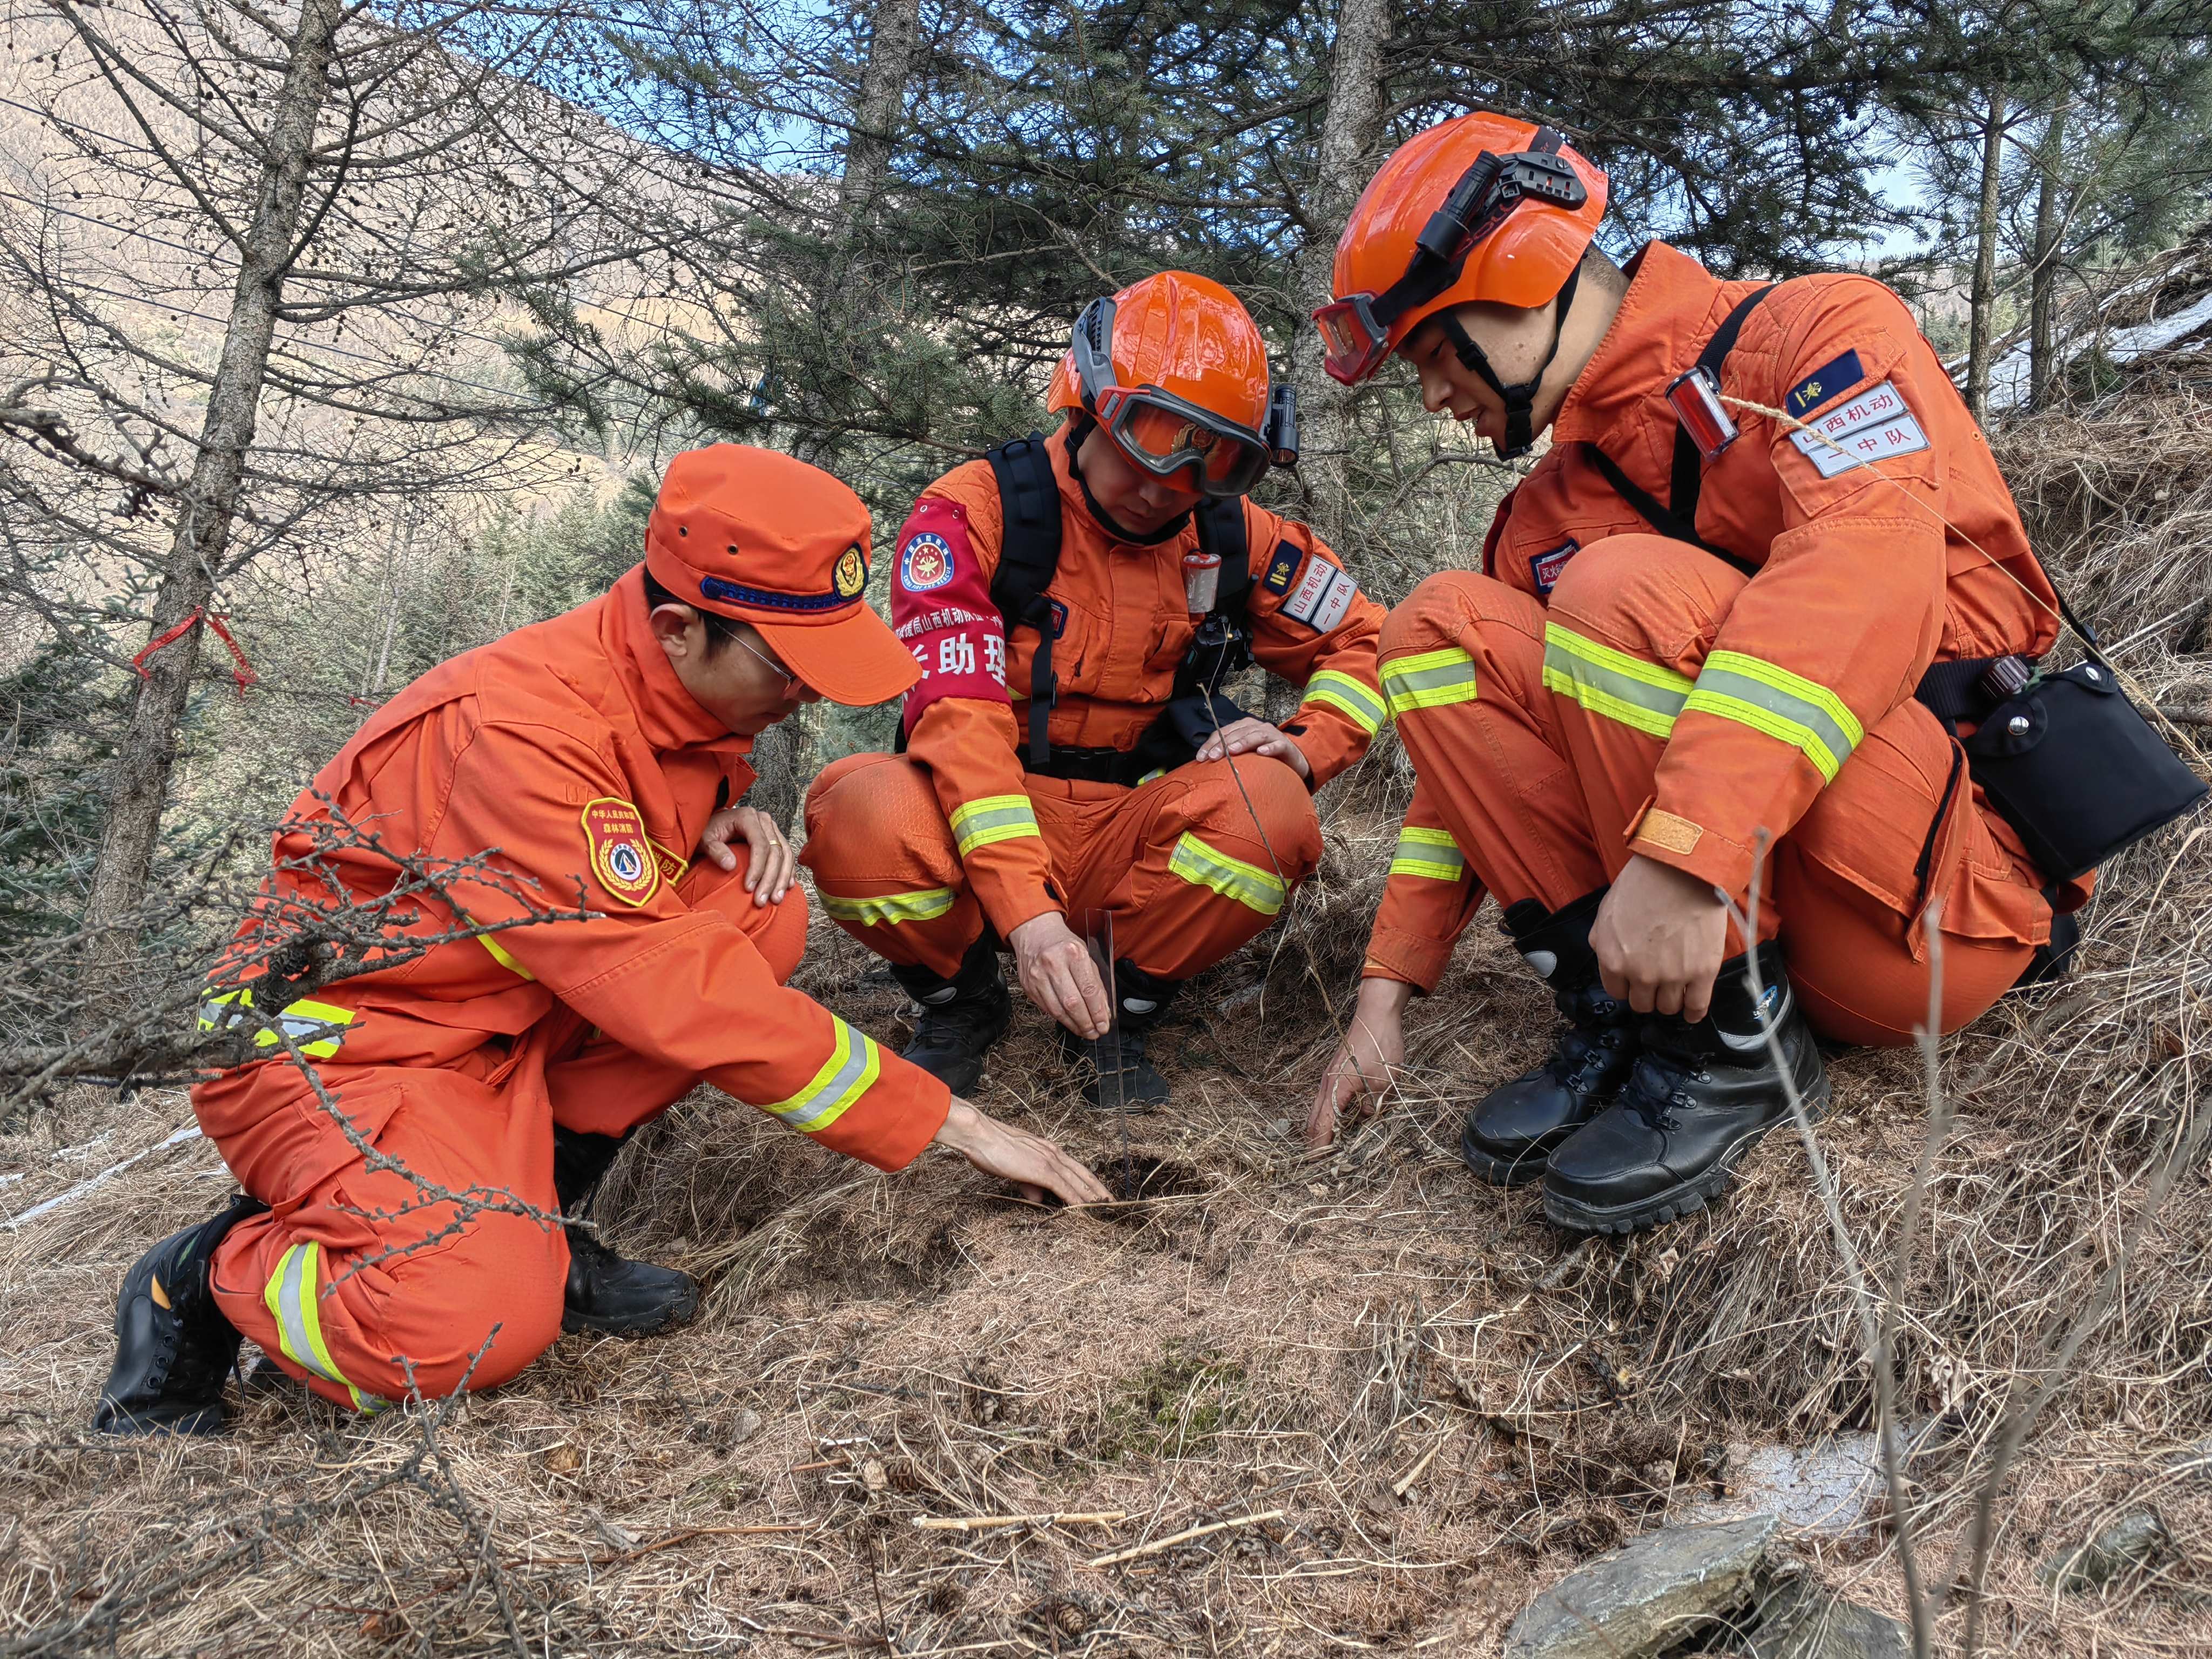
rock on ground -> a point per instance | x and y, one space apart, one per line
1802 1622
1647 1596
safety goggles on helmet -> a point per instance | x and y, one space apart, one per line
1166 434
1355 330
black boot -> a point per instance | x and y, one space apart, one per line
607 1292
1700 1098
1514 1128
1115 1071
173 1345
959 1019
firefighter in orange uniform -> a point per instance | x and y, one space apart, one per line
1705 640
1073 604
498 1072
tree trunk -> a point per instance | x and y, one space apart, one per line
1981 302
1351 124
895 32
139 781
2042 282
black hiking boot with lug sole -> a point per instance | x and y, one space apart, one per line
609 1293
1513 1130
172 1346
1699 1098
1116 1073
957 1020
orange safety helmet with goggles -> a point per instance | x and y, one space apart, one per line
1175 371
1481 208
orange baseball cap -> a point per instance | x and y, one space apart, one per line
754 535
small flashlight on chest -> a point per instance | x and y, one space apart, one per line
1201 582
1696 397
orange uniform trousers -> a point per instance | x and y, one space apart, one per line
1187 867
365 1280
1542 790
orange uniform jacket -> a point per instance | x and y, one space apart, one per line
1123 625
570 755
1862 584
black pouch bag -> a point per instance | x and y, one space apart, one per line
2072 765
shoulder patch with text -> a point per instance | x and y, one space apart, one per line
1824 383
1281 567
623 855
1544 568
1322 596
943 613
1871 427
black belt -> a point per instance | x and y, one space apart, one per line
1121 766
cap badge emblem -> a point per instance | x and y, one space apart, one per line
851 574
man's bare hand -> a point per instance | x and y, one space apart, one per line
1256 736
1659 936
1058 974
1374 1045
773 868
1034 1165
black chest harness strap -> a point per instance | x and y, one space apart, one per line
1029 557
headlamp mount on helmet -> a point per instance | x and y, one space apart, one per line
1356 329
1224 457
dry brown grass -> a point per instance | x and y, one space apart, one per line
1265 1331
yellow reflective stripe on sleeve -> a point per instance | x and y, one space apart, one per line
1431 679
295 1304
893 908
1612 683
1340 691
850 1072
298 1019
1203 866
1430 852
1769 698
994 819
502 958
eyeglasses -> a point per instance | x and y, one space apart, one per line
792 686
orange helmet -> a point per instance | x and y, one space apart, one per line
1479 208
1175 370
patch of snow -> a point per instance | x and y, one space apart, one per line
1824 1488
2127 345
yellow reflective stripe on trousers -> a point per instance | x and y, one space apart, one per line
1431 679
1343 693
298 1019
893 908
1612 683
851 1070
295 1303
1203 866
1430 852
994 819
1767 697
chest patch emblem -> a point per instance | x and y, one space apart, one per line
1824 383
623 855
925 562
1544 568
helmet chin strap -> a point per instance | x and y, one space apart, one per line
1520 400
